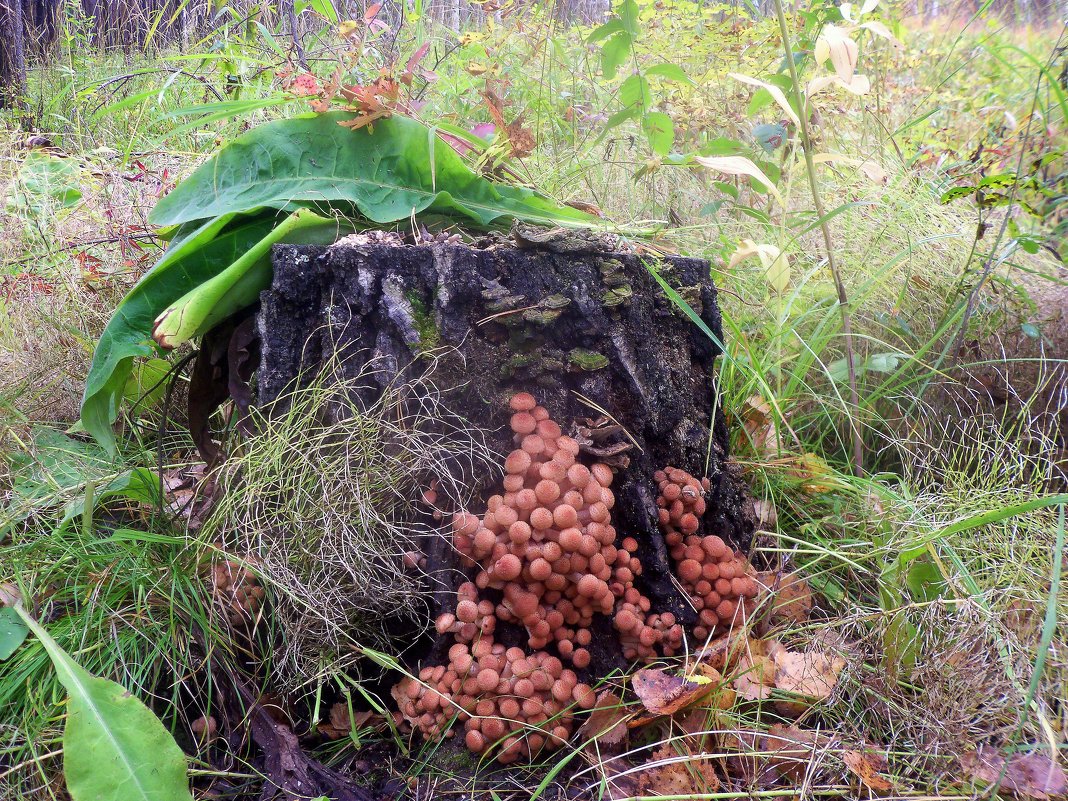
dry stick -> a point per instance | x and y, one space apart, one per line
843 301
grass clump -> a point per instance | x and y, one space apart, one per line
325 500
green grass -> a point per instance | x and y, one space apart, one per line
936 576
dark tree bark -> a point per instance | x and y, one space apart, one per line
568 326
12 55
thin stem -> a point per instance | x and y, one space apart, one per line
843 300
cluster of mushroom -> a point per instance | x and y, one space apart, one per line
502 696
236 589
545 550
547 543
712 573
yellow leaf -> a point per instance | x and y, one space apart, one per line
775 92
348 28
834 44
739 165
879 29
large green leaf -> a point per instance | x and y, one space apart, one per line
199 256
399 169
114 748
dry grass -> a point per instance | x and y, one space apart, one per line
324 500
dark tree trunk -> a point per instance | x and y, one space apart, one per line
12 55
618 341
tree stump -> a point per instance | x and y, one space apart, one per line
579 330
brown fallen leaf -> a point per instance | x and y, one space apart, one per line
1032 775
789 751
811 676
723 652
606 725
664 694
722 696
793 600
759 423
765 512
756 677
340 725
691 776
863 765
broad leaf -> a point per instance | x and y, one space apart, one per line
672 72
114 748
399 169
739 165
834 43
614 52
775 92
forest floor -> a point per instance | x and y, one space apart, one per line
933 583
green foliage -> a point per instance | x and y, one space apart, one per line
114 748
45 182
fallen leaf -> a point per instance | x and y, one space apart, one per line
722 696
811 676
723 653
1032 775
339 725
664 694
862 764
766 513
756 677
690 775
793 600
816 475
759 424
607 722
1024 619
789 752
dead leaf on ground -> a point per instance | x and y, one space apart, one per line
790 751
793 600
664 694
722 695
1032 775
690 776
340 725
811 675
724 652
766 514
756 677
606 725
759 423
866 766
1024 619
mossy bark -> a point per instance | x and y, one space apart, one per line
571 328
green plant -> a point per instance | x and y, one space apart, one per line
325 179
